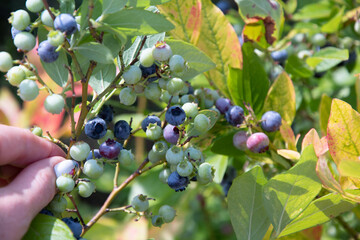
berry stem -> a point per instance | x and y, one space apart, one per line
76 208
71 110
46 5
118 209
56 141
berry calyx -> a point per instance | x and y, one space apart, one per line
153 131
185 168
150 119
157 221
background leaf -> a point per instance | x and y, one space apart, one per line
297 67
145 3
112 6
47 227
327 58
96 52
281 98
104 75
56 70
219 162
287 195
324 111
245 205
249 84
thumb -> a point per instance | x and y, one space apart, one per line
31 190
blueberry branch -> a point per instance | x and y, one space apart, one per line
76 208
46 5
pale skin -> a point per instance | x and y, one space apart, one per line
27 179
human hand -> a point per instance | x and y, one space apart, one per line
27 178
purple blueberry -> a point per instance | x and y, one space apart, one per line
74 225
279 56
235 115
258 142
110 149
95 128
171 134
65 23
148 120
239 140
122 130
224 6
175 115
271 121
106 113
97 155
223 104
177 182
146 71
47 52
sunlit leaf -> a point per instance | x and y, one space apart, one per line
327 58
219 162
324 111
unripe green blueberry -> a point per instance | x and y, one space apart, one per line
201 123
24 41
346 42
184 168
165 97
146 57
160 148
140 203
58 204
164 175
79 151
152 91
157 221
162 83
191 109
357 26
208 102
154 157
27 71
185 89
162 52
177 64
28 90
54 103
318 39
127 96
15 75
46 19
20 19
126 157
5 61
174 155
214 95
108 135
194 154
205 173
174 86
132 75
167 213
86 188
188 98
34 5
65 183
55 38
93 169
173 168
304 54
153 131
37 131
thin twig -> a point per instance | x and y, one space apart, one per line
76 208
136 58
46 5
352 232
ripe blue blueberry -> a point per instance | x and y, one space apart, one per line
46 212
74 225
95 128
97 154
47 52
224 6
175 115
239 140
177 182
110 149
140 203
235 115
148 120
146 71
223 104
271 121
65 23
280 55
258 142
122 130
106 113
93 169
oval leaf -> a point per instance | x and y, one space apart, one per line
56 70
96 52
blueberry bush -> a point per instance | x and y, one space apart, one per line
210 120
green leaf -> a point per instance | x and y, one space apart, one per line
288 194
67 6
267 13
333 24
112 43
245 205
48 227
212 115
104 75
324 111
151 40
197 61
112 6
281 98
327 58
314 11
349 168
96 52
343 132
137 22
357 90
56 70
318 212
249 84
219 162
223 145
146 3
297 67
